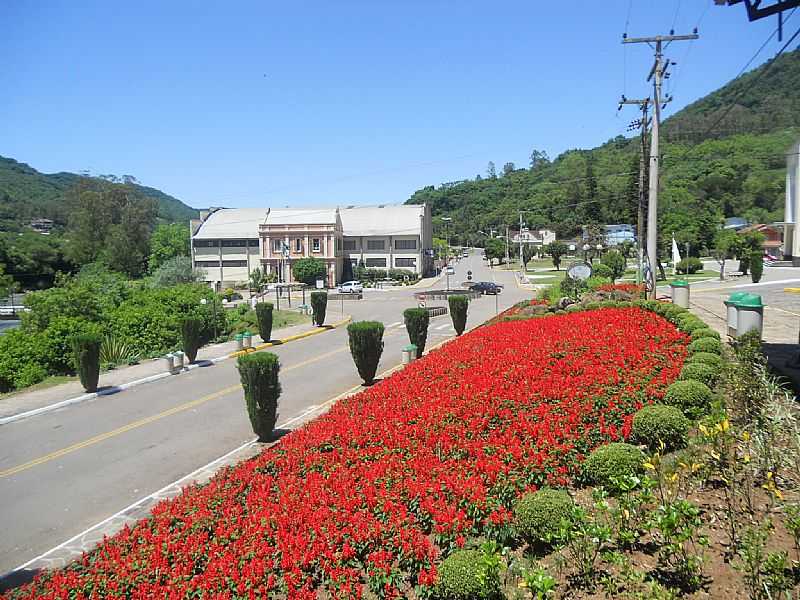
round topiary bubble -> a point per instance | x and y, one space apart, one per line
700 372
705 344
539 514
610 464
464 575
707 358
691 324
659 423
692 397
704 332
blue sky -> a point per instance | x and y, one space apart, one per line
349 102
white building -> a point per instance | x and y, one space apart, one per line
229 243
791 233
542 237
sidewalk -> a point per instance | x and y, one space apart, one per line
110 381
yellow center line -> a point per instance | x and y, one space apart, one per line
151 419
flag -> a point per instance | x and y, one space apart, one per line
676 255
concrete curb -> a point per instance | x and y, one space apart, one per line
124 386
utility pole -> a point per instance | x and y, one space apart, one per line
658 73
643 123
521 265
508 258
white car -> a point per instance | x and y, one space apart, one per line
451 271
351 287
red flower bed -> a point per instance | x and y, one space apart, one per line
377 490
628 288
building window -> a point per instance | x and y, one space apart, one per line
234 243
316 244
277 246
376 262
405 244
234 263
349 245
298 245
206 263
376 244
206 243
406 263
252 243
338 245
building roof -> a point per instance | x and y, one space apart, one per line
232 223
390 219
300 216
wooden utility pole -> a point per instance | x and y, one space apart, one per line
658 73
643 123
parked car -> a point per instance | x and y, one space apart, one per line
351 287
485 287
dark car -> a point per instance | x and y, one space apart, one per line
485 287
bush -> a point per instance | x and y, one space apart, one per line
176 270
465 575
614 260
191 337
707 358
86 350
264 317
705 344
366 347
308 270
704 332
538 515
704 373
691 324
610 464
319 304
660 423
417 320
689 266
600 269
258 372
756 265
458 312
692 397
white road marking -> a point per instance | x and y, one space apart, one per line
445 326
394 324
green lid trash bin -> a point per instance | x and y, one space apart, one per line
409 353
749 315
239 340
730 305
680 292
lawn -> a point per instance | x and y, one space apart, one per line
247 321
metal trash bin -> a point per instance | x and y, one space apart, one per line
680 292
239 341
179 357
247 339
169 359
730 305
749 315
409 354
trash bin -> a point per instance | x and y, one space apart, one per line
169 359
247 339
239 341
409 353
680 292
749 315
730 305
179 360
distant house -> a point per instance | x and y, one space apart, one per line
542 237
43 226
735 223
773 235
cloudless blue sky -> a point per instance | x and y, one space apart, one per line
348 102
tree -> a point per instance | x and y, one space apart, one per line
6 282
614 260
495 248
626 248
508 168
257 278
556 250
725 242
528 252
168 241
490 171
539 158
308 270
175 271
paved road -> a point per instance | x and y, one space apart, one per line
67 470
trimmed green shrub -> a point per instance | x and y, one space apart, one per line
466 575
756 265
602 270
308 270
319 304
707 358
705 344
672 312
417 320
691 396
458 312
705 332
609 464
704 373
264 318
191 336
538 515
366 347
86 350
660 423
689 265
258 373
690 325
616 263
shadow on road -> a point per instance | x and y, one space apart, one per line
17 578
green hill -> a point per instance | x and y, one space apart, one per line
26 194
736 169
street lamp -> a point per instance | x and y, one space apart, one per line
586 252
447 220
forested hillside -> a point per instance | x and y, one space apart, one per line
27 194
737 168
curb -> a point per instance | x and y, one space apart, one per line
124 386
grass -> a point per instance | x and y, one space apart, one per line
51 381
280 319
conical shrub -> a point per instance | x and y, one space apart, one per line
366 346
458 312
264 318
258 373
319 303
191 336
417 320
86 351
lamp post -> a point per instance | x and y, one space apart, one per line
586 252
447 220
204 301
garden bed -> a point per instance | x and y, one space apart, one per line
373 495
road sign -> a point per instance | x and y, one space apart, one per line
421 304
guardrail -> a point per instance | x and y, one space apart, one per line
435 311
338 296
